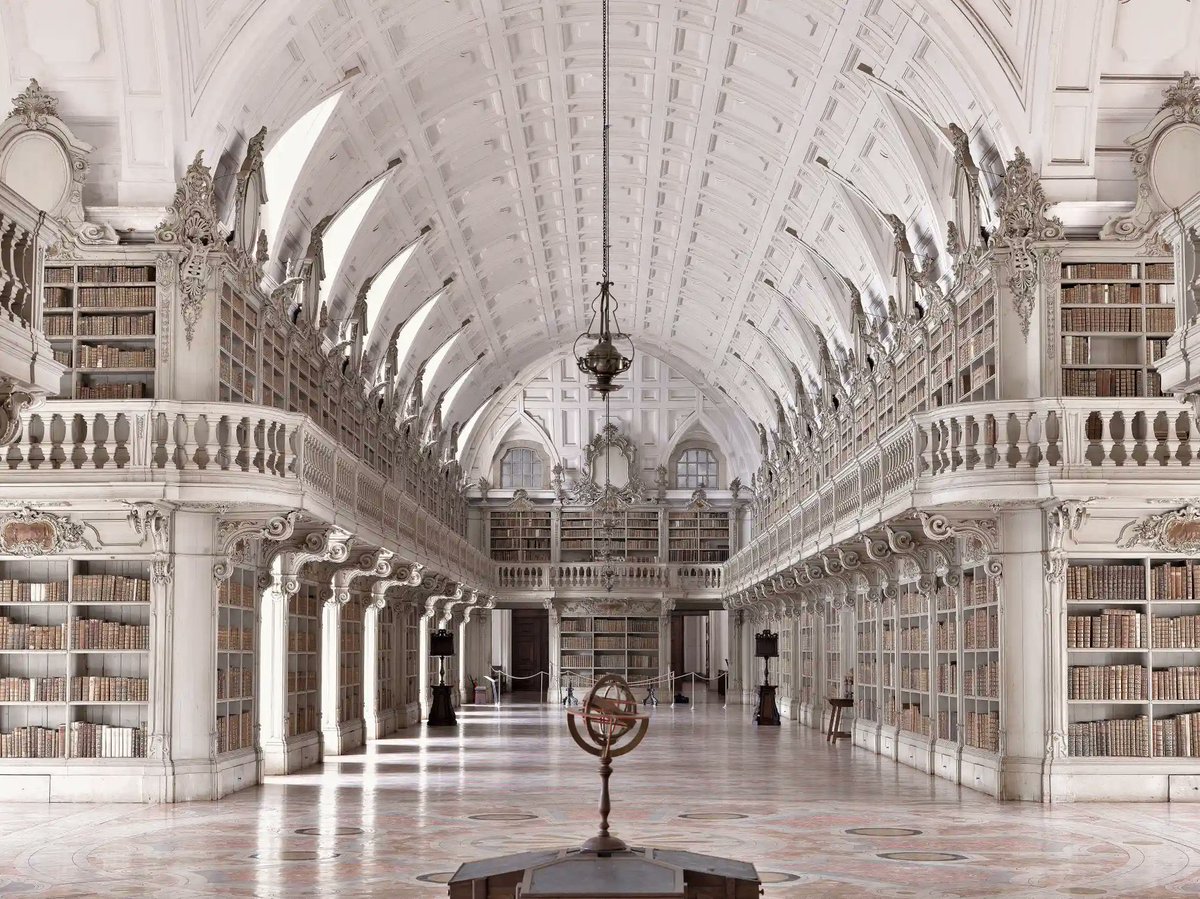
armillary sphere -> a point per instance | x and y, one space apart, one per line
612 725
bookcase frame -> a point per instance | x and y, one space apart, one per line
236 649
587 650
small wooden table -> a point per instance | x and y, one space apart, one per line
835 720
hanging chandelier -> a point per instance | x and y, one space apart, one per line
604 358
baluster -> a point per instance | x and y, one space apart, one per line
58 436
1168 444
1116 454
1054 453
1139 426
79 437
1187 447
99 448
31 444
182 437
200 432
258 427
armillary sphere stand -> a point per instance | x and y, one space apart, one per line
607 725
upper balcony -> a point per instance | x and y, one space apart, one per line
980 454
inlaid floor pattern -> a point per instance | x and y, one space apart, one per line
396 818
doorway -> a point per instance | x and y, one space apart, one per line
689 650
530 649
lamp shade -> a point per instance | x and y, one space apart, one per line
766 645
441 643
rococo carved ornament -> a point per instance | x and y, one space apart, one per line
1177 531
1062 520
1024 219
233 538
192 222
33 532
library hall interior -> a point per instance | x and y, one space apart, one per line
561 449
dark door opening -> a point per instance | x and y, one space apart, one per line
530 649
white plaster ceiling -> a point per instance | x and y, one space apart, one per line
720 109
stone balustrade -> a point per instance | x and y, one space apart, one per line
225 453
700 581
996 451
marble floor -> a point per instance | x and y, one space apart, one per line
396 818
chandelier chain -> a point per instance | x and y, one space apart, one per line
604 130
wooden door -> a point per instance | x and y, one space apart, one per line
530 646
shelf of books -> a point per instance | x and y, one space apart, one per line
350 681
386 700
833 655
520 536
887 664
304 661
807 670
1133 658
590 646
634 538
74 658
698 537
1115 319
238 357
575 535
101 323
915 708
785 627
946 658
412 663
866 669
237 612
976 333
979 668
941 363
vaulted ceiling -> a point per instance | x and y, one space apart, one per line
721 110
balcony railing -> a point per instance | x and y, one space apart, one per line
982 451
232 452
588 576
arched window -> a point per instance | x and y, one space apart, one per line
695 468
521 467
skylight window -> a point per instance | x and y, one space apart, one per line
411 328
341 231
383 283
283 163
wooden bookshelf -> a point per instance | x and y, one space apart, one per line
806 646
304 661
385 661
350 700
833 654
520 535
236 661
412 654
590 646
700 536
890 709
75 666
1115 319
942 369
979 665
786 629
238 355
976 344
101 321
947 658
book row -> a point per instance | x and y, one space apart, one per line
1114 737
981 630
1107 294
914 679
235 732
33 689
235 683
116 297
983 731
236 595
113 357
1179 682
106 741
1102 382
1176 633
237 638
1111 319
1106 682
109 588
301 681
18 591
947 677
16 635
132 391
1177 736
1091 270
1177 582
300 641
983 680
1111 628
642 660
302 721
87 633
112 325
1120 582
908 718
100 274
102 688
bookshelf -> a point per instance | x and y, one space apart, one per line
833 654
1115 318
976 338
866 669
238 354
979 668
806 646
947 651
700 536
635 537
385 661
914 709
412 655
101 322
785 627
520 535
237 612
575 535
1133 657
74 668
304 661
941 363
887 663
590 646
350 699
